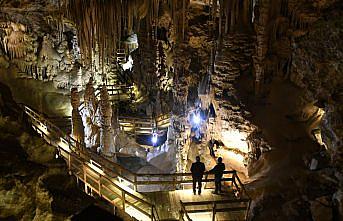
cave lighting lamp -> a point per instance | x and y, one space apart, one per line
196 119
154 139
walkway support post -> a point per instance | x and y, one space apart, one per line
135 183
214 212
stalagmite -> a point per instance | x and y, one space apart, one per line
106 133
77 126
261 44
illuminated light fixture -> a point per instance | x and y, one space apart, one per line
154 139
196 119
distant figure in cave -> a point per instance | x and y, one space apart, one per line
197 169
210 146
218 171
212 112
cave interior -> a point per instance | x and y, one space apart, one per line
105 105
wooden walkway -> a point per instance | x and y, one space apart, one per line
122 188
143 126
116 93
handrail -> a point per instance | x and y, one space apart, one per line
226 206
241 185
244 194
72 155
184 212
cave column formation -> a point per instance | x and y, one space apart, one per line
260 25
77 125
106 132
89 116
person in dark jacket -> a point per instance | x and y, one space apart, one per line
218 171
197 169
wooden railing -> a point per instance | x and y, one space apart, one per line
230 206
121 56
144 125
104 176
84 166
240 204
116 93
131 125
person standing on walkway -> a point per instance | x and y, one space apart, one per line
218 171
197 169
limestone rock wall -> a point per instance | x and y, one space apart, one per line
299 42
32 42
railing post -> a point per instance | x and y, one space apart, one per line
123 199
181 215
174 182
100 185
85 177
214 212
135 183
68 139
181 212
233 179
69 163
152 212
247 211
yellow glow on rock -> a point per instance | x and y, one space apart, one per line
235 139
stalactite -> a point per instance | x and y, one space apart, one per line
103 23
